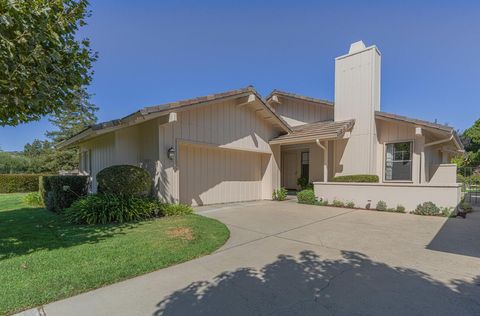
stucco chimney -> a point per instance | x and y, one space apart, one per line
357 96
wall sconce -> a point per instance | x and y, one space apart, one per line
171 153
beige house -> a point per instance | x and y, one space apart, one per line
236 146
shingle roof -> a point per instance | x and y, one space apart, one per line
300 97
168 107
313 131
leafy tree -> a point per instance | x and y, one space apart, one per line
13 163
471 137
42 63
471 141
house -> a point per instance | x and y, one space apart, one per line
236 146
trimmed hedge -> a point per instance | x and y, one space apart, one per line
59 192
370 178
18 183
124 180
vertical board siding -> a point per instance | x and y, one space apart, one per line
298 112
224 124
211 175
102 152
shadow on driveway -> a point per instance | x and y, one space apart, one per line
459 236
308 285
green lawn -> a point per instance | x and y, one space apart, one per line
43 258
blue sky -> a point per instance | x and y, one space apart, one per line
152 52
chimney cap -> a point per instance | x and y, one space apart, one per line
356 47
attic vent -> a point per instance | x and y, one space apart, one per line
356 47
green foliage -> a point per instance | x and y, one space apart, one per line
338 203
124 180
42 61
357 178
10 183
471 137
61 191
429 208
400 209
110 208
381 206
322 202
33 199
175 209
13 163
279 194
306 197
350 204
466 207
302 182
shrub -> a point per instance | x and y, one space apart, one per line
306 197
350 204
400 209
61 191
428 208
124 180
175 209
110 208
447 211
13 183
357 178
337 203
381 206
33 199
466 207
322 202
279 194
303 184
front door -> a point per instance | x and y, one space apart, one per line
289 164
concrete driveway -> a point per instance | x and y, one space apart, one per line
289 259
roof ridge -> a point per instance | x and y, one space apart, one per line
299 96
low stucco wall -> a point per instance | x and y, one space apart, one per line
408 195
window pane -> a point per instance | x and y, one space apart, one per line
398 163
305 158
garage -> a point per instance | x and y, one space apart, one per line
210 175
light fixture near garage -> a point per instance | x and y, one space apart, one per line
171 153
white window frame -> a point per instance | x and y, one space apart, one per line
412 142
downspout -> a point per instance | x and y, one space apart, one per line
325 159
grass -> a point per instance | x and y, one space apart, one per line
43 258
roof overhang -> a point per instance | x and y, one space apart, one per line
328 130
442 130
242 97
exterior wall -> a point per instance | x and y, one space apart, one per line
102 155
221 125
443 173
357 96
134 145
298 112
367 195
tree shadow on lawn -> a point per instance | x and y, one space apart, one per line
354 285
26 230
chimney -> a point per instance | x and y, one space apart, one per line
357 96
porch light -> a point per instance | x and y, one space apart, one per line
171 153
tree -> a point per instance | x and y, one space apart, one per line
42 63
78 116
471 137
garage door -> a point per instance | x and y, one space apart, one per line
211 175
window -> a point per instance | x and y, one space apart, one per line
398 161
305 165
